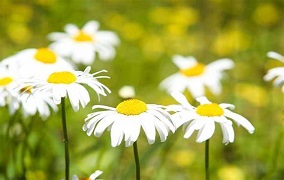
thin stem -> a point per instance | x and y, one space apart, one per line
207 175
135 150
65 140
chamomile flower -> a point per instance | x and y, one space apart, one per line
8 95
126 92
125 121
37 63
93 176
194 76
70 83
203 118
276 73
81 45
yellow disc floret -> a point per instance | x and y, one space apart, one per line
45 55
209 110
85 178
193 71
131 107
64 77
5 81
27 89
83 37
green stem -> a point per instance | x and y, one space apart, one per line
65 140
207 175
135 150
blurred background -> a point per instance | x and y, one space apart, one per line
151 32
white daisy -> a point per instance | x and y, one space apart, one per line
126 92
203 118
276 73
82 44
194 76
63 83
8 95
91 177
126 119
37 63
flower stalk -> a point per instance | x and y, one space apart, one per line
136 156
207 174
66 139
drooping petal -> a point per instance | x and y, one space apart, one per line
206 131
239 120
228 133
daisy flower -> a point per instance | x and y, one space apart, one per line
37 62
91 177
126 92
8 95
69 83
81 45
194 76
203 118
126 119
277 73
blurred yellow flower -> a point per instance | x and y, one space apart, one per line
230 172
254 94
230 41
179 15
132 31
152 46
35 175
21 13
19 33
266 14
182 158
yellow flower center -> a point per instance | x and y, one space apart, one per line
85 178
83 37
193 71
5 81
27 89
209 110
63 77
131 107
45 55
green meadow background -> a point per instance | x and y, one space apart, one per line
151 32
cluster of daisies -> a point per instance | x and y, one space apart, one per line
36 80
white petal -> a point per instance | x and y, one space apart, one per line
179 97
91 27
162 130
220 65
149 128
96 174
104 124
102 107
71 29
184 62
206 131
239 120
203 100
226 105
228 133
116 133
196 87
194 125
275 55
